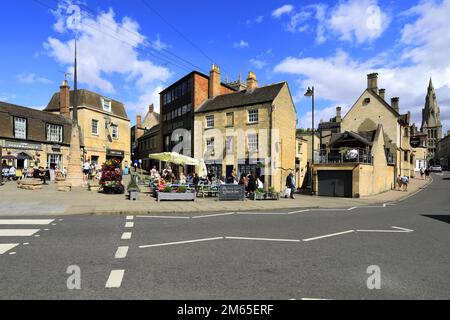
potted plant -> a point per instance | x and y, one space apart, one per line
133 188
111 179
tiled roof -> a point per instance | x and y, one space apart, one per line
242 98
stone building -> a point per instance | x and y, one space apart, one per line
431 122
372 149
301 162
151 120
326 129
105 127
178 103
249 130
33 138
443 152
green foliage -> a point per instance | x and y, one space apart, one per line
182 189
132 185
168 189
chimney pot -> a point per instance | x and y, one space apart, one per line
395 104
64 99
252 82
372 82
338 114
382 93
151 108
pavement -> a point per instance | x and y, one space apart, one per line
49 201
388 251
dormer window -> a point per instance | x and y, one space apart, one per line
106 103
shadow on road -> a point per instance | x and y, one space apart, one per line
443 218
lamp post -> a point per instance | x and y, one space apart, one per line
310 93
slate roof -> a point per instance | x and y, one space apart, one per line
36 122
90 99
242 98
365 137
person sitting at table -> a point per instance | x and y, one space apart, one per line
195 179
259 183
161 184
42 175
12 173
182 178
222 180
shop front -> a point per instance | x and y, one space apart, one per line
21 155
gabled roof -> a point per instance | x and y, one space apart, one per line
89 99
380 99
242 98
365 137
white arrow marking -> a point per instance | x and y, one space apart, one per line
329 235
399 230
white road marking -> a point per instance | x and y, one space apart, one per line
37 235
115 279
121 252
312 299
17 232
129 225
214 215
180 242
46 229
399 230
130 217
25 221
263 239
299 211
12 253
5 247
263 213
126 236
26 243
352 208
329 235
164 217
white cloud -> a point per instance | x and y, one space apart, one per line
241 44
258 63
259 19
106 48
285 9
31 78
158 44
357 21
7 97
151 96
360 20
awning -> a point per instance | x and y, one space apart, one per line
24 156
180 159
9 157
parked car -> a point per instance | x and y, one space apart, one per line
436 168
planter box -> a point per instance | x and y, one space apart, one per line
188 196
266 196
134 195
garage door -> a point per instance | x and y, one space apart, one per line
335 183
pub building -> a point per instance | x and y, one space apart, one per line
104 124
33 138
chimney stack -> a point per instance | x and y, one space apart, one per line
252 83
382 93
138 121
64 99
151 108
214 82
395 104
372 82
338 114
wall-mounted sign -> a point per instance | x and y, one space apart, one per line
115 153
22 145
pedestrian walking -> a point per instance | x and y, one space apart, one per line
422 173
427 173
290 186
405 181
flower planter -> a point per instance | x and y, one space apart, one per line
171 196
134 195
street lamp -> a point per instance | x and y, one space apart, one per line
310 93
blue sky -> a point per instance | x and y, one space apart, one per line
127 51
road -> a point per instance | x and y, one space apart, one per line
317 254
